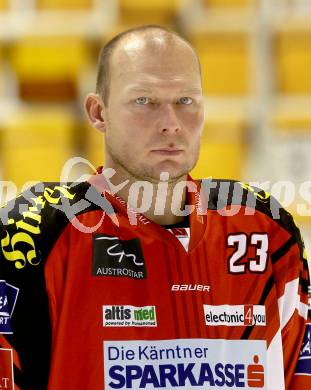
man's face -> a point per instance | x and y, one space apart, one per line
154 114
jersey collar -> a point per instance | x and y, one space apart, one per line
144 225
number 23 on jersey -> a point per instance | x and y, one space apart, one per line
238 263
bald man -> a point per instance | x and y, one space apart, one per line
142 277
149 105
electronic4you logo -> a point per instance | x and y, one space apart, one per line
185 364
235 315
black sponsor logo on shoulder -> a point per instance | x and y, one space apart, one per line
115 257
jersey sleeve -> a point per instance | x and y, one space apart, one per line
293 308
292 281
302 376
24 318
30 225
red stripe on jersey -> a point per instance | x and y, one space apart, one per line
197 297
169 266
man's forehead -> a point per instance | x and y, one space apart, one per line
151 68
155 64
134 49
156 81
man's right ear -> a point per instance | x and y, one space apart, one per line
95 111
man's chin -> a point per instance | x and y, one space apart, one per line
167 174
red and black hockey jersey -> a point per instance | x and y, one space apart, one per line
90 299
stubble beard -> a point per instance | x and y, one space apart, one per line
127 169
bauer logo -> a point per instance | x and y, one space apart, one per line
8 297
304 361
235 315
115 257
196 364
129 316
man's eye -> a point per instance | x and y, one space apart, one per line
142 100
185 100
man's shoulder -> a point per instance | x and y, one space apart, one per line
42 198
223 194
226 192
32 221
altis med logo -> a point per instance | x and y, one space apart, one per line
114 315
185 364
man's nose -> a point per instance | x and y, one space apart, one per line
169 122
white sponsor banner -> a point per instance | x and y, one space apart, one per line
235 315
185 364
126 315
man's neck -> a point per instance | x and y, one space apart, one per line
161 201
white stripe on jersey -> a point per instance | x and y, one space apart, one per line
275 364
289 302
302 309
184 242
183 239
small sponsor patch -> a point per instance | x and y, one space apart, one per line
115 257
196 364
8 297
235 315
304 361
129 316
6 369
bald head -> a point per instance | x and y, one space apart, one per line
129 46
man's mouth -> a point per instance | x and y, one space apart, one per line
167 151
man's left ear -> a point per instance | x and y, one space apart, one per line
95 111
